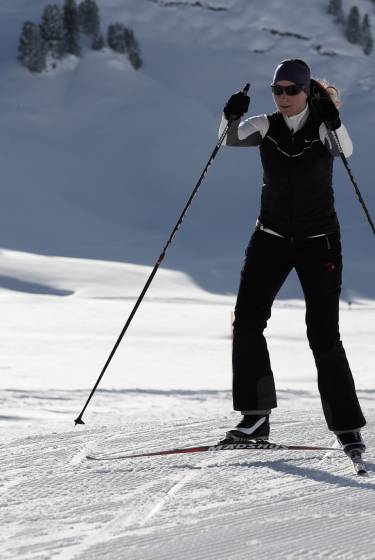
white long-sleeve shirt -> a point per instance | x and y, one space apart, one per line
251 132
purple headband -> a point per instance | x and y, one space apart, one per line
293 71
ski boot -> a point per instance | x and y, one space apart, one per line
351 442
253 427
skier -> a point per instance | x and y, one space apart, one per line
297 228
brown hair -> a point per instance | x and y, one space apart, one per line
322 88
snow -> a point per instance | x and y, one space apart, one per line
97 162
114 154
216 507
168 386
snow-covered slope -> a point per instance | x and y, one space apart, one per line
224 506
168 385
97 160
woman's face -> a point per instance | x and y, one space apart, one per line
289 105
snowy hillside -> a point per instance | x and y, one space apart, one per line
97 160
168 386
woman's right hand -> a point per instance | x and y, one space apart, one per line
236 106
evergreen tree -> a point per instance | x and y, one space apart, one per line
366 35
122 40
116 37
89 18
52 30
133 50
353 26
71 26
31 52
335 9
98 43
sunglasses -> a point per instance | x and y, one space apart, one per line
294 89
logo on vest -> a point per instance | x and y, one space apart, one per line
330 266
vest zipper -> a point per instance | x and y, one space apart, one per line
291 192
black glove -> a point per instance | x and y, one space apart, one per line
236 106
327 112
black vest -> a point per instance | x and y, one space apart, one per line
297 196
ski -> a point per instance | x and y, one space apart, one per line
251 445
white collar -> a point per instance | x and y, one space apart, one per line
296 122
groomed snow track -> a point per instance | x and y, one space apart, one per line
233 505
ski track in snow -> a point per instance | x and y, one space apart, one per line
230 505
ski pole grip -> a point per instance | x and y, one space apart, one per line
245 90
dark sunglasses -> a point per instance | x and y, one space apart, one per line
294 89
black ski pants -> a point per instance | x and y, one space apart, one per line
318 263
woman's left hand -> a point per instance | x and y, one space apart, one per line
327 111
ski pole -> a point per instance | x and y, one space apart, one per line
358 192
79 420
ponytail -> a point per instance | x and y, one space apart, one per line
321 88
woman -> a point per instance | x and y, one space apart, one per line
297 228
